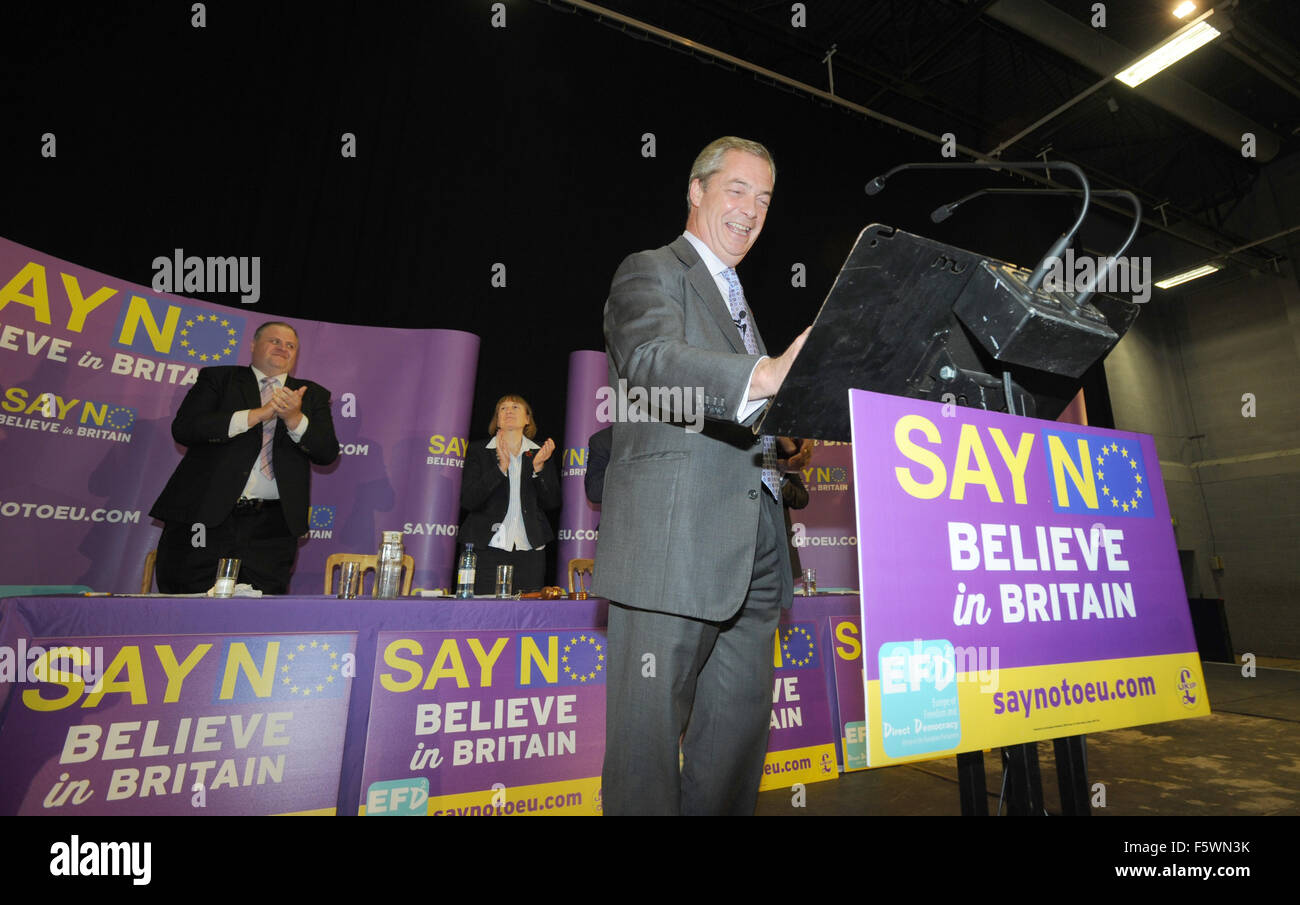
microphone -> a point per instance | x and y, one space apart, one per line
1087 291
739 321
943 212
1040 271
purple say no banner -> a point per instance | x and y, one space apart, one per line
486 723
93 368
579 517
1020 580
175 724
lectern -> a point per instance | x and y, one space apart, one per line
913 317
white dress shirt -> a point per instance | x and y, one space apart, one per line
511 533
259 486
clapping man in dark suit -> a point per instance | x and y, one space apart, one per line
692 551
243 486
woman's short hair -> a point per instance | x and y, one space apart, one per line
530 429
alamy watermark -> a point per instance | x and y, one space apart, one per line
59 663
671 405
194 274
75 858
1124 276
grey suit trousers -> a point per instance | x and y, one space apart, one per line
708 684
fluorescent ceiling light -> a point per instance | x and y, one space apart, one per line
1183 42
1184 9
1179 278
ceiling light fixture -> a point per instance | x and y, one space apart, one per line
1184 9
1178 45
1179 278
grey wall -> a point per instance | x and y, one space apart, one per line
1233 481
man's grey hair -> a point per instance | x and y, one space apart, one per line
709 161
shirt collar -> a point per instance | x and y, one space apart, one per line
260 377
526 445
711 261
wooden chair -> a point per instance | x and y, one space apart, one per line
369 563
578 567
146 582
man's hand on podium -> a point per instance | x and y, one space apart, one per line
770 373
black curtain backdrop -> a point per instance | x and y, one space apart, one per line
476 146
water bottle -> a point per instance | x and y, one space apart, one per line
465 572
388 577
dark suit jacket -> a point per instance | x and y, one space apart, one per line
598 448
679 514
794 493
207 483
485 492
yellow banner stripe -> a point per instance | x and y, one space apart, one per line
573 797
781 769
1136 691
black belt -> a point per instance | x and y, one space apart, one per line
249 505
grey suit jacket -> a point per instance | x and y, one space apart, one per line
680 512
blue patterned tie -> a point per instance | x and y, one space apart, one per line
745 323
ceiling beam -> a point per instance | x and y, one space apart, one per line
1192 231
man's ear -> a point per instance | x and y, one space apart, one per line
696 192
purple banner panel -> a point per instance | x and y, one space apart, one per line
1020 580
93 368
823 535
800 746
965 517
402 400
486 723
851 718
579 518
175 724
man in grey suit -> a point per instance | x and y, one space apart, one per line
692 544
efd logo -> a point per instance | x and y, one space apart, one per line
398 798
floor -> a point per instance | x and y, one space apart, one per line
1243 759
